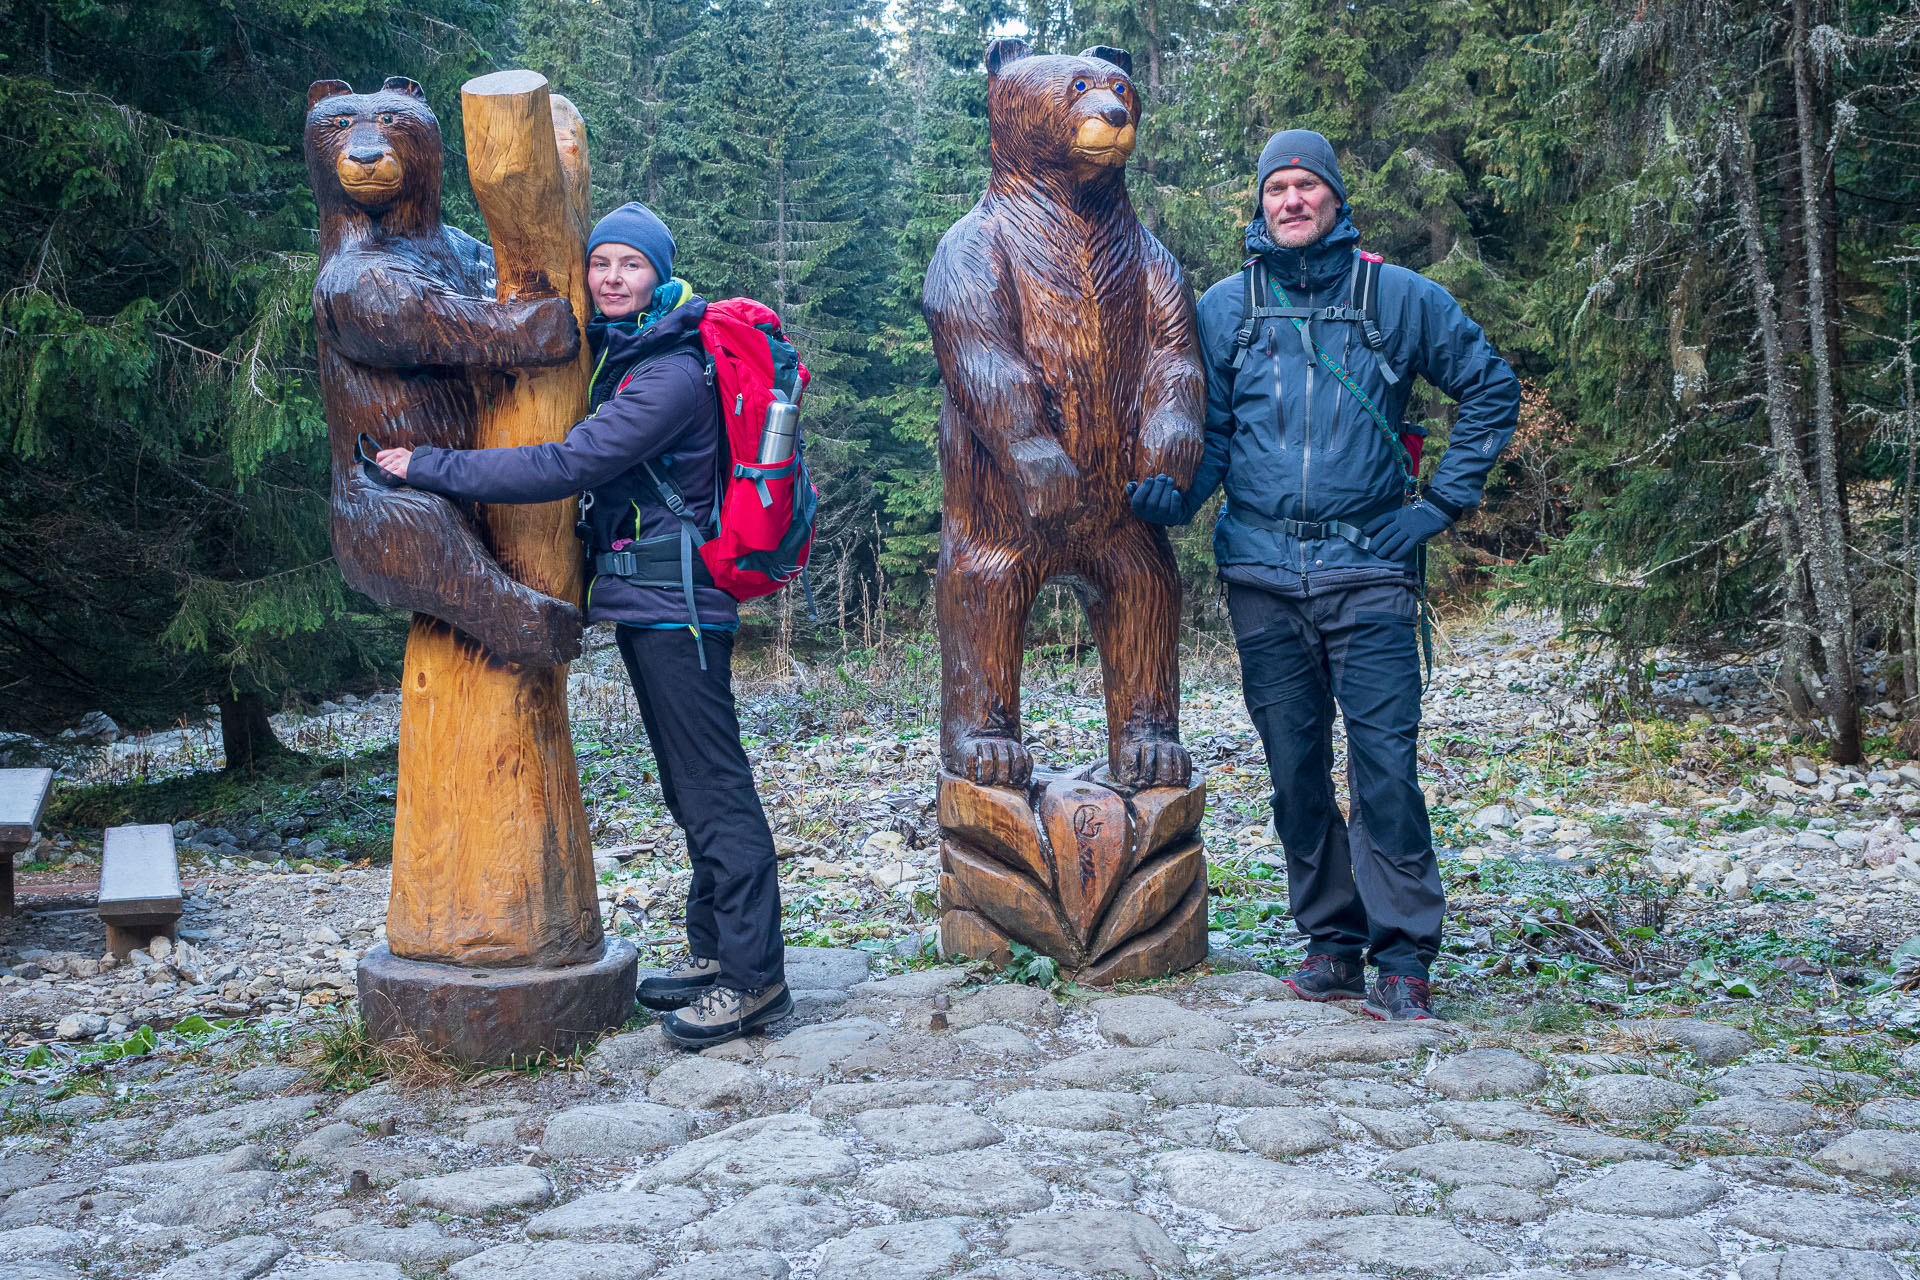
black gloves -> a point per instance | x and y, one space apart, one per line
1158 500
1398 535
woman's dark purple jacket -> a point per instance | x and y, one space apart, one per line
666 412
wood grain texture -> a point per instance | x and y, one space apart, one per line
1070 359
1075 869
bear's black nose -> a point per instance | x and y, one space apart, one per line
1116 116
366 155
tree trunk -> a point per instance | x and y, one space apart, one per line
245 732
492 855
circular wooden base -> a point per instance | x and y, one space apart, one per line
497 1017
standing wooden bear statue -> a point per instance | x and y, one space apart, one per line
1067 344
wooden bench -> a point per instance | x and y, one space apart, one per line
23 796
139 886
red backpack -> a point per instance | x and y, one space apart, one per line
762 534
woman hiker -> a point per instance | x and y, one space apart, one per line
643 335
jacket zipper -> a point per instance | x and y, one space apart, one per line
1306 451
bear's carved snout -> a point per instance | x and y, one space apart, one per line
1105 137
370 171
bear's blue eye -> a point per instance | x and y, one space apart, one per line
1121 88
1079 86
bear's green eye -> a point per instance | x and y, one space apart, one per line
386 117
342 122
1079 86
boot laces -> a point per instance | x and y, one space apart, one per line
715 999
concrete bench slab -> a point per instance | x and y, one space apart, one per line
23 797
139 886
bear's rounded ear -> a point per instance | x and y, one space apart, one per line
320 90
400 84
1003 51
1107 53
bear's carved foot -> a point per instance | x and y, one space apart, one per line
992 762
1110 882
1151 762
528 628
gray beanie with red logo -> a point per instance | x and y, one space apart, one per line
1301 149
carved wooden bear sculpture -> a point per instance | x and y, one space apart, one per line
1067 343
407 317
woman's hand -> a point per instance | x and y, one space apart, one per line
394 461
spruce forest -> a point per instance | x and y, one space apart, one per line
1693 228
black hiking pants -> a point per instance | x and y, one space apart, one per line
1366 886
733 908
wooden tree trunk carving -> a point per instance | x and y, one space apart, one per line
1071 365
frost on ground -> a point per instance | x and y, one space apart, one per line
1673 1049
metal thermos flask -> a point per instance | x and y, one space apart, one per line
781 430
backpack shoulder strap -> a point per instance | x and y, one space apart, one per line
1249 313
1364 293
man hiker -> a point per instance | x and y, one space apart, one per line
651 407
1310 352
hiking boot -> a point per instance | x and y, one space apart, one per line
1399 999
1324 978
678 986
722 1014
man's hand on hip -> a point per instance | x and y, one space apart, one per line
1398 535
1157 500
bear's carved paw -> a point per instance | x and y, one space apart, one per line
992 762
534 630
1151 762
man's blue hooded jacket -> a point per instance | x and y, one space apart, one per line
1292 443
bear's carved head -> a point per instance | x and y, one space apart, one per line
373 151
1053 111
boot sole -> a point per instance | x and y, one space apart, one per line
753 1022
664 1004
1324 996
1373 1010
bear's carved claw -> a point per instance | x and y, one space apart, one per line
992 762
1151 762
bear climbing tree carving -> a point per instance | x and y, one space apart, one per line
407 325
1068 349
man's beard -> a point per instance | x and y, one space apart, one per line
1318 234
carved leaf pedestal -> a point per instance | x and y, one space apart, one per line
1112 884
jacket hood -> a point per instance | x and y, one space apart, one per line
1325 262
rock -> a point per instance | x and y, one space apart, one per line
1884 1154
1356 1041
1006 1002
1139 1021
76 1026
1646 1189
1412 1246
1633 1098
1889 1113
1817 1264
1396 1129
969 1183
611 1131
1496 1204
370 1106
556 1259
1779 1171
812 1050
753 1153
1097 1241
784 1219
619 1215
1756 1115
1279 1133
1195 1126
993 1038
241 1258
631 1052
501 1131
327 1138
1245 986
1486 1073
825 968
332 1270
898 1251
37 1242
1578 1234
220 1200
267 1078
1493 1120
476 1191
1488 817
23 1171
1601 1147
1295 1012
28 1269
850 1099
1071 1108
921 984
707 1083
1471 1164
1713 1044
1824 1221
420 1245
1099 1067
751 1264
1785 1081
925 1129
1249 1192
234 1124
